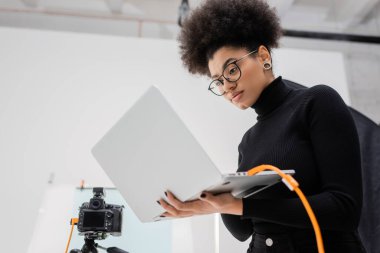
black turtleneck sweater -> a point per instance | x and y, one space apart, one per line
311 131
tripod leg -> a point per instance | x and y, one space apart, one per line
89 246
115 250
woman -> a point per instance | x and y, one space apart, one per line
309 130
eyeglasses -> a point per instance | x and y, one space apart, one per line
231 73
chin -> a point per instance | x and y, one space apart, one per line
242 107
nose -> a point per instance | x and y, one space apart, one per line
228 86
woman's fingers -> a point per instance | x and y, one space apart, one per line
208 203
179 205
174 201
177 208
183 215
172 211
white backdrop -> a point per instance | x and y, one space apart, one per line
60 92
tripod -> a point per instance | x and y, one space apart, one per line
91 247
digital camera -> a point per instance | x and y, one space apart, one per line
97 217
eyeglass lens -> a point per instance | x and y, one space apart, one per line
231 73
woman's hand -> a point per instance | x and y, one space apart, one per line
207 204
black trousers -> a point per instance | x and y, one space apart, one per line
305 242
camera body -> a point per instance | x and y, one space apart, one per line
97 217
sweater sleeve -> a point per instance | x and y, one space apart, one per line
336 149
241 229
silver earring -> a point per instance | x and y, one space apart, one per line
267 65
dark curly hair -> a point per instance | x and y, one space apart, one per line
218 23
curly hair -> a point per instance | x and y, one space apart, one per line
218 23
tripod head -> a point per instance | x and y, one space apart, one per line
88 247
91 247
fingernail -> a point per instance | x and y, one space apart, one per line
158 202
166 194
203 195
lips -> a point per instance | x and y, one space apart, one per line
236 96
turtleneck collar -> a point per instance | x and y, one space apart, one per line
271 97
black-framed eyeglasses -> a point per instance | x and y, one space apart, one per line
231 73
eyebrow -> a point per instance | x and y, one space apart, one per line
229 60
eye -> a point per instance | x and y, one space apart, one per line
232 70
219 83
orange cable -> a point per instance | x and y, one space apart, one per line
73 222
292 184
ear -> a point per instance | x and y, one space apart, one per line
264 55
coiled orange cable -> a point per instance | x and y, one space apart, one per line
293 185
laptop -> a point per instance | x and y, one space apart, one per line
150 150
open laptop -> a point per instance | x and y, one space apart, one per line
150 150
